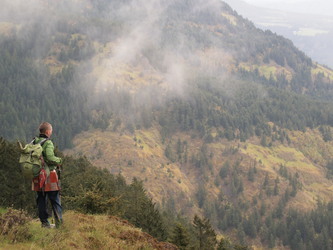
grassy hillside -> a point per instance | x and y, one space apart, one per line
137 155
79 231
206 178
143 154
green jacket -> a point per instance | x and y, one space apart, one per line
50 159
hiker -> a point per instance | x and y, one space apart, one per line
50 190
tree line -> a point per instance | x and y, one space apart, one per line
90 190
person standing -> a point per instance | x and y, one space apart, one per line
50 190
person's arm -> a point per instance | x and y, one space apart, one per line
49 154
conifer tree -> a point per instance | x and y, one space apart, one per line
224 244
276 186
141 211
180 236
205 233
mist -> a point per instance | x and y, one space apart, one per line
145 62
141 54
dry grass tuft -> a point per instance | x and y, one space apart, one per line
13 224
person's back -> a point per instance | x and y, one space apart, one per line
51 164
50 190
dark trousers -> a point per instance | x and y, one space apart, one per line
42 199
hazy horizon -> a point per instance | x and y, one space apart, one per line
308 23
316 7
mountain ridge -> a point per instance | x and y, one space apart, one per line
212 113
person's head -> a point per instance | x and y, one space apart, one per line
45 128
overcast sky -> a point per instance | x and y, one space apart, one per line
321 7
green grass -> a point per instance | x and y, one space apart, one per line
267 70
321 69
231 19
2 210
81 231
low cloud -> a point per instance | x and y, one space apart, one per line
137 59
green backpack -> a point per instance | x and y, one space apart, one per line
31 159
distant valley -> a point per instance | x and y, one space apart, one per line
312 34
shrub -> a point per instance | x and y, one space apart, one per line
14 224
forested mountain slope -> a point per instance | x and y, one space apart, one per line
101 211
109 59
215 116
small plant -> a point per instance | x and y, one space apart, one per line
14 224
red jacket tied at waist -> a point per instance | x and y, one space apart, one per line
51 183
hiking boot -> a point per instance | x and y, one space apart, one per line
58 223
46 225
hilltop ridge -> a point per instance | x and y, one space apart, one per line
79 231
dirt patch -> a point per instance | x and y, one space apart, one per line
120 221
73 245
84 218
93 243
287 156
136 236
90 228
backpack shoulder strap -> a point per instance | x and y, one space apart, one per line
43 141
42 156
